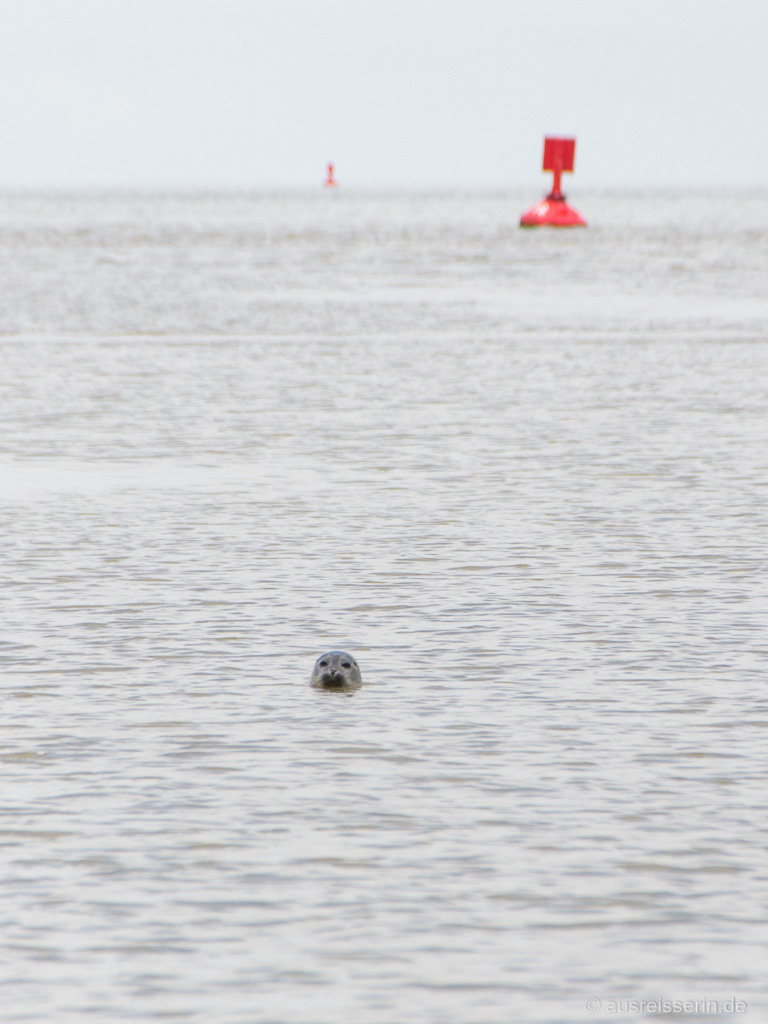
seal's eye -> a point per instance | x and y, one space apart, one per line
323 664
345 664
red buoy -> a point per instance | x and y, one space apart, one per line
330 181
554 211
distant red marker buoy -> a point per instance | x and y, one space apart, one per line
330 181
554 211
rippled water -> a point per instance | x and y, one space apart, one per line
522 476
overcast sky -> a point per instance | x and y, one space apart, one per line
407 93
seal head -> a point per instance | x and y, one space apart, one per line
336 670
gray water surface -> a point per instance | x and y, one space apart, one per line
522 476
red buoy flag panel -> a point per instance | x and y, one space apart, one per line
558 153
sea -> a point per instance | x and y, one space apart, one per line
521 475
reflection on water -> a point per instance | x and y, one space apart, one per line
520 476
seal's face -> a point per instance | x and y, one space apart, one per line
336 670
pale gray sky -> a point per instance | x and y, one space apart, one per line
407 93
